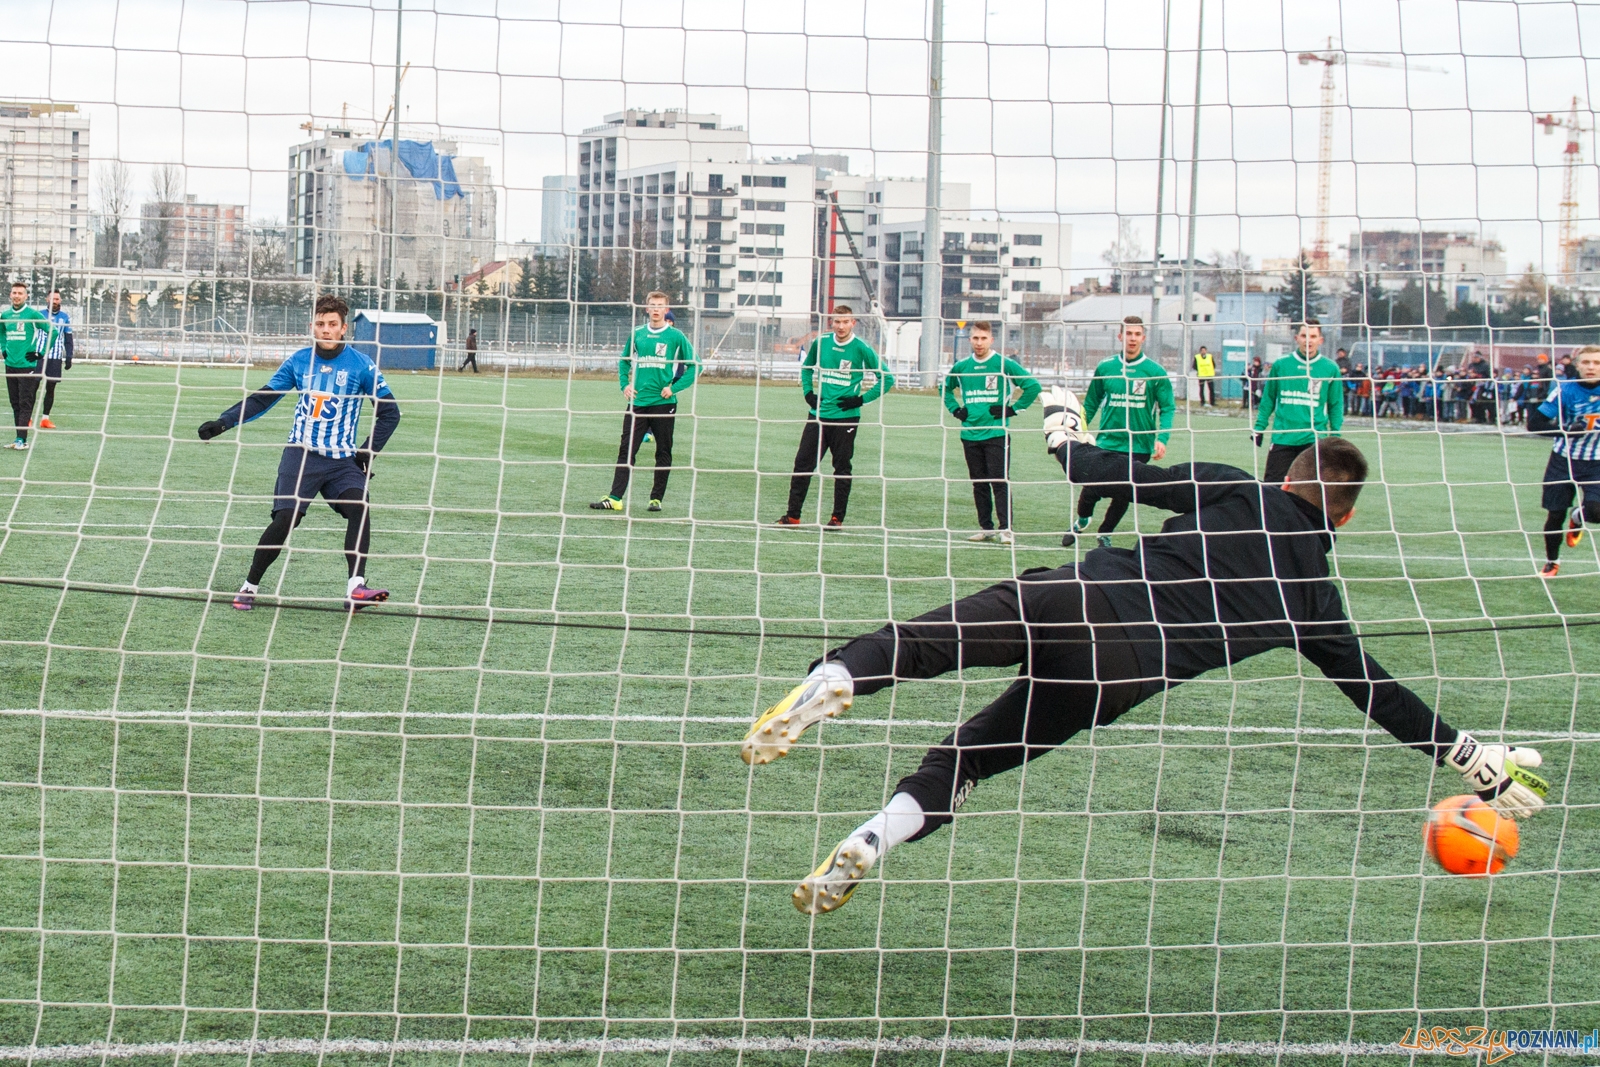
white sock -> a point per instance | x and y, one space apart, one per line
831 669
249 587
356 580
900 819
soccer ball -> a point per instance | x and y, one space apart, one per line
1466 836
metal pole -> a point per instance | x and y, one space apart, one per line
1157 281
1194 198
932 260
394 158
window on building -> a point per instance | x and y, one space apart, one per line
761 276
765 181
770 205
1024 287
712 301
1025 261
983 284
872 242
747 205
769 301
984 260
747 228
769 229
985 238
1027 238
872 220
775 252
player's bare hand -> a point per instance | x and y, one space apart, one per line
666 392
629 392
1159 452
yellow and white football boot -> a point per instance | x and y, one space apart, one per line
825 694
831 884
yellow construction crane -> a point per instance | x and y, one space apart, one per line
1329 59
1572 157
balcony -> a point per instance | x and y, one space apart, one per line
708 191
718 217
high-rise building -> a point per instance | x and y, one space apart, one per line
189 235
354 204
1465 265
46 184
558 213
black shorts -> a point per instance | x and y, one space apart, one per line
52 369
302 474
1563 478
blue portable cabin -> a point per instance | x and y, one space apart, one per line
395 340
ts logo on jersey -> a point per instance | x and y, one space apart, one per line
324 406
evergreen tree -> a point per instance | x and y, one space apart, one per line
1301 298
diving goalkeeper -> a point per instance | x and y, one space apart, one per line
322 455
1242 568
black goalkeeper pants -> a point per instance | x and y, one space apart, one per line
1073 674
1120 495
21 388
818 438
636 422
1279 459
989 465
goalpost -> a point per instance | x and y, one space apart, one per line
503 814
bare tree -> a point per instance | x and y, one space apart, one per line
166 199
114 193
1230 275
1127 248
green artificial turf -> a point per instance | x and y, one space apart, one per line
440 828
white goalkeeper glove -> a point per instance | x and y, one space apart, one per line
1063 420
1501 775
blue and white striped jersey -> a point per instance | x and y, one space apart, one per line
58 344
327 417
1575 407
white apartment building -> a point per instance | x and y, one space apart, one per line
343 188
46 184
988 267
745 229
558 211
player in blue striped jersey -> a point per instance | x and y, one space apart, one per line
1572 415
322 457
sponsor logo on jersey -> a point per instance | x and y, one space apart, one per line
991 381
844 364
661 348
1137 386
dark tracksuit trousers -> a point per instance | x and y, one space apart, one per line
1072 675
836 436
1279 459
22 386
658 419
989 464
1120 497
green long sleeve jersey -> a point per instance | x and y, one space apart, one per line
28 334
1134 401
841 369
1301 400
653 360
984 383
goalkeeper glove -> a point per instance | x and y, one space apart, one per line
1578 425
811 401
1063 420
1501 775
849 403
997 410
363 457
211 429
961 414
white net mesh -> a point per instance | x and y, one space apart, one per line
502 814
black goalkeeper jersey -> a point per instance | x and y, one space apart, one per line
1240 569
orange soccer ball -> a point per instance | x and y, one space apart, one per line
1466 836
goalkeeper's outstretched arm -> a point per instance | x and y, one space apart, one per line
250 408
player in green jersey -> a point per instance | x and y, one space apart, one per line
27 336
831 378
656 367
1133 396
1302 400
984 392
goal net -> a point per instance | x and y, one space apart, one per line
503 814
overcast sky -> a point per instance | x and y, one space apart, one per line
1053 106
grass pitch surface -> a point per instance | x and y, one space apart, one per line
302 824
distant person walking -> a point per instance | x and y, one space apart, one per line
472 353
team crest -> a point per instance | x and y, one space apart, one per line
661 348
844 364
1137 386
341 377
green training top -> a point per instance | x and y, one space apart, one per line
1302 400
28 335
983 384
664 357
841 367
1134 401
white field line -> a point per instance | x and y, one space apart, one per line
525 1046
742 720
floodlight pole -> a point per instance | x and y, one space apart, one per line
932 259
394 157
1156 278
1194 199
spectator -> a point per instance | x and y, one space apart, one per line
1256 372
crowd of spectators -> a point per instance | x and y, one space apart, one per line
1466 392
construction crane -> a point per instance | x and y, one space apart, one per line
1572 157
1329 59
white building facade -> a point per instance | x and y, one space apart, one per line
558 212
46 184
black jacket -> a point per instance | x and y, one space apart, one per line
1240 569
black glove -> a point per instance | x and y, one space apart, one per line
363 457
961 414
211 429
997 410
1577 425
1258 438
849 403
66 364
811 401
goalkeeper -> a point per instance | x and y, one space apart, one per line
1242 568
1572 414
322 456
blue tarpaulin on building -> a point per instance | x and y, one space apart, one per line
421 160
